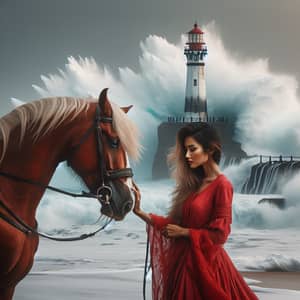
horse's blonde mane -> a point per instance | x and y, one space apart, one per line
42 115
46 114
127 132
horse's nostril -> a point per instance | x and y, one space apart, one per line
127 206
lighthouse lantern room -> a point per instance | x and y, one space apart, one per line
195 92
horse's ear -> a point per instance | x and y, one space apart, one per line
103 101
126 109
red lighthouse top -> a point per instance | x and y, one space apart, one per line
196 30
195 39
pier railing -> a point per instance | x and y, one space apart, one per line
277 158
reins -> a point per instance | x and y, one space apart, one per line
19 224
45 186
146 268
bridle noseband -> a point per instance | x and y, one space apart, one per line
104 192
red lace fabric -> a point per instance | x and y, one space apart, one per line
198 267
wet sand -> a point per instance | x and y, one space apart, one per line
279 280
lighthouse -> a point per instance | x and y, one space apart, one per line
195 112
195 91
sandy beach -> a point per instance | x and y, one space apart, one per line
114 285
80 287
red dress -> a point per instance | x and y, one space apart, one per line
198 267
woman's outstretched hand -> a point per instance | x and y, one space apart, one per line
175 231
137 206
137 202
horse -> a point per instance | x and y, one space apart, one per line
95 138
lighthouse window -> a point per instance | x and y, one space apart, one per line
195 82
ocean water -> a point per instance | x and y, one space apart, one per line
263 237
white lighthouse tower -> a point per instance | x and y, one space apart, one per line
195 92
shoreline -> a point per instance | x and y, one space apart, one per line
277 280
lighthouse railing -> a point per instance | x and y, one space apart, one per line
193 119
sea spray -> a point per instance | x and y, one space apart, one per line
264 106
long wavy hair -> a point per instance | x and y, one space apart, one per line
188 180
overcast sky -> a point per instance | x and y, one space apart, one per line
37 36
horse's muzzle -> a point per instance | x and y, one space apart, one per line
120 203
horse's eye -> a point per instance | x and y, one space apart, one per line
115 143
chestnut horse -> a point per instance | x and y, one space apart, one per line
93 137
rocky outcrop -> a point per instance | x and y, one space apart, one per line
278 202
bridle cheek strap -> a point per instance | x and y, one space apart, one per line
106 175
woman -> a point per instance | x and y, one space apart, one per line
187 256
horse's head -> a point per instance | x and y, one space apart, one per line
100 158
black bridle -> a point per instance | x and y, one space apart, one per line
103 192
